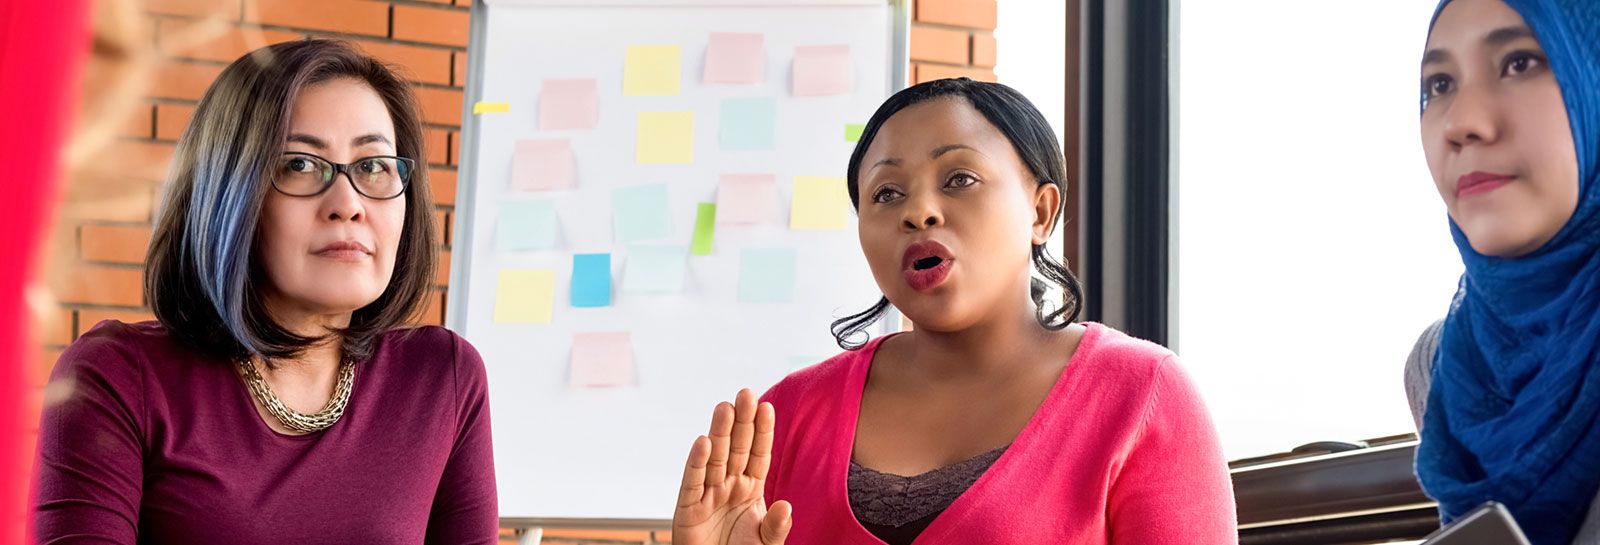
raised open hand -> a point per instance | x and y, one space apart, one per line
721 501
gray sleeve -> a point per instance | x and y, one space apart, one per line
1418 366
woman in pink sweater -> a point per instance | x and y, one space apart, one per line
998 420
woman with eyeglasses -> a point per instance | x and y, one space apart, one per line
282 396
1507 389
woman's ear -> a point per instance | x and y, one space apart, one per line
1046 208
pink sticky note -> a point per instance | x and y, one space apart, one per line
735 58
822 70
602 359
569 104
542 165
748 199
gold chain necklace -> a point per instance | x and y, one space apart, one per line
291 419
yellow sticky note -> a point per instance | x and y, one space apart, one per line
491 108
524 296
820 204
651 71
665 137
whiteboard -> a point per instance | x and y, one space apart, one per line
566 454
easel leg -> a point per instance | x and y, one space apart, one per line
530 536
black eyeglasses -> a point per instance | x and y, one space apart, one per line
378 177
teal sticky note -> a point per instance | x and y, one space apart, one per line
852 131
526 225
748 123
766 275
655 270
705 227
591 280
640 213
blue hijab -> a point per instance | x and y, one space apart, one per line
1513 414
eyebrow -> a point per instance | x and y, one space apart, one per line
947 148
1497 37
357 141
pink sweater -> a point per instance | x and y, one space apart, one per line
1122 451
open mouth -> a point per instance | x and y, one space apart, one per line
926 265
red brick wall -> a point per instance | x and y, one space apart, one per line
98 267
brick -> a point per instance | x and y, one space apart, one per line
930 72
416 63
141 122
611 535
441 276
96 285
172 119
443 183
441 223
440 106
58 329
141 160
460 67
434 315
221 9
455 144
183 80
441 2
113 243
220 44
939 45
963 13
983 50
349 16
89 317
432 25
38 377
436 143
108 197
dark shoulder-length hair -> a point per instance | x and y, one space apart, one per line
204 280
1035 142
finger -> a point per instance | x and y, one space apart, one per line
761 447
694 473
775 526
721 431
744 427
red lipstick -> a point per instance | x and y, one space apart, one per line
926 265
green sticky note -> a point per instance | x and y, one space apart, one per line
651 71
766 275
747 123
852 132
820 203
524 296
640 213
664 138
705 226
526 225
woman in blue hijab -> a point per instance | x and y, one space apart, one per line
1511 130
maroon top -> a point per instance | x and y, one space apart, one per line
154 443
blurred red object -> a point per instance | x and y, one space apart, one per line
43 46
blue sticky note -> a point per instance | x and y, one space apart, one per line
591 280
640 213
747 123
526 225
766 275
655 269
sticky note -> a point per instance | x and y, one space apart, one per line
524 296
602 359
748 199
569 104
766 275
820 204
822 70
852 132
705 227
665 138
591 280
640 213
543 165
747 123
651 71
733 57
655 270
526 225
481 108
